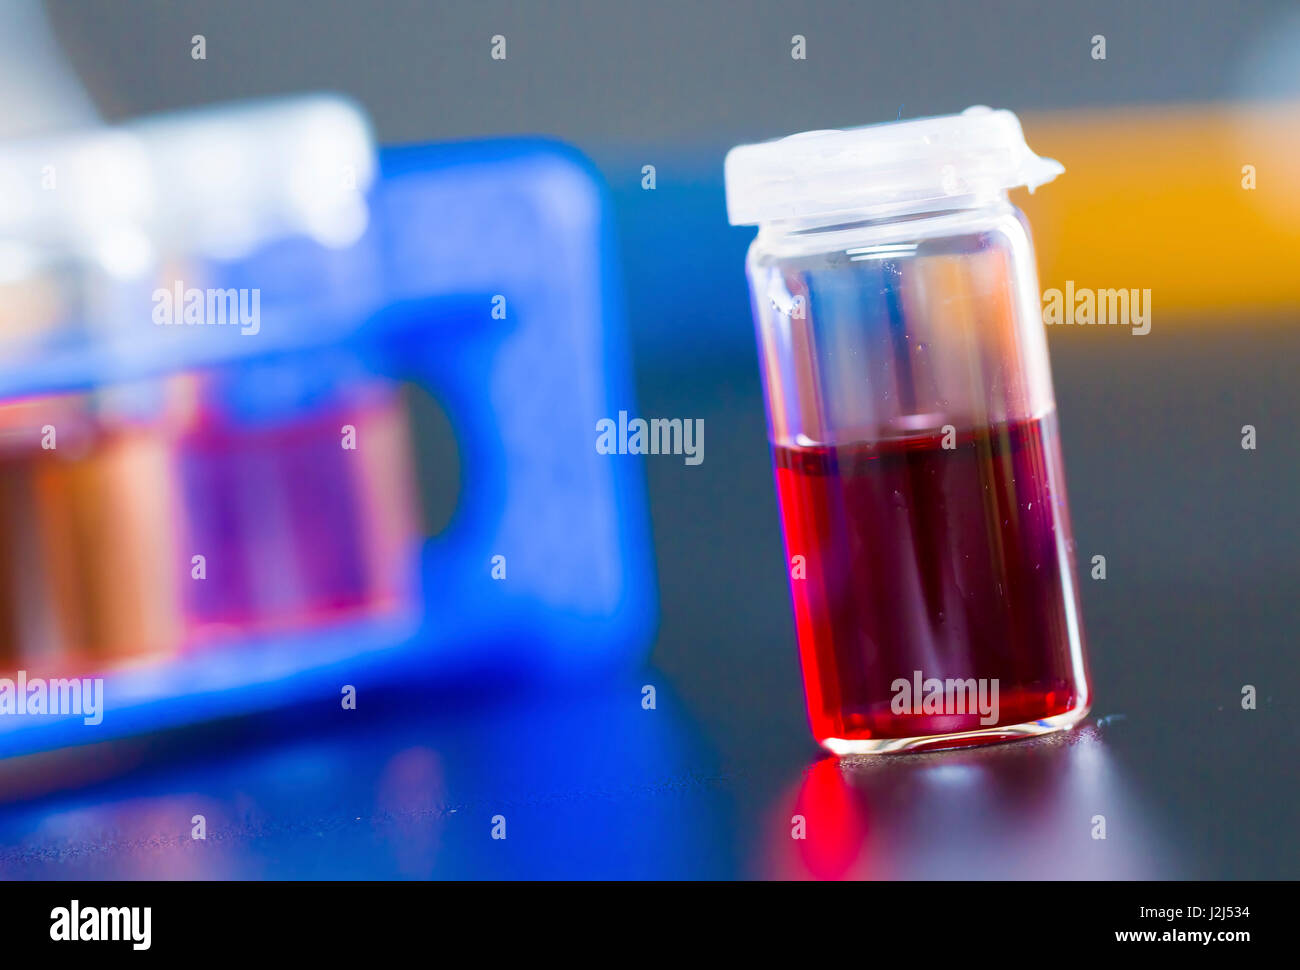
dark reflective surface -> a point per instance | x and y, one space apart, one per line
1048 808
589 784
1198 602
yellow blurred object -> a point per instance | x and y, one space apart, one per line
1156 198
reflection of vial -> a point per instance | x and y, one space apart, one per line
914 433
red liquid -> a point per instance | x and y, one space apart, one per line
954 562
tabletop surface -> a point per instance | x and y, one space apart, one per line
584 781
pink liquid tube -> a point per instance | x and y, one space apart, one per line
914 432
198 509
304 510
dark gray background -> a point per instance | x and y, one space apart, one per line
672 72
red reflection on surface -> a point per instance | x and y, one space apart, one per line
1012 811
826 828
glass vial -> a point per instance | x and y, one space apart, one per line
914 433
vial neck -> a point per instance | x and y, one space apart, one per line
791 230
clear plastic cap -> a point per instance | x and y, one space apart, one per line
888 168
